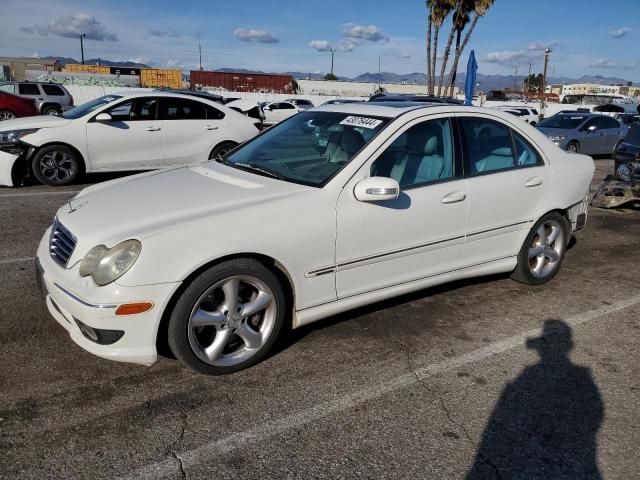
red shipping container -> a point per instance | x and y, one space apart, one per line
242 82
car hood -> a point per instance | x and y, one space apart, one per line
143 205
43 121
556 132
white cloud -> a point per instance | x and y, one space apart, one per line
348 44
171 63
165 33
73 25
513 57
320 45
541 46
610 64
251 35
145 60
619 33
361 32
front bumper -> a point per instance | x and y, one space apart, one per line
76 303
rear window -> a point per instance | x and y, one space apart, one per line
8 87
53 90
568 122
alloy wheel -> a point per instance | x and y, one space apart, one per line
546 249
57 166
6 115
232 320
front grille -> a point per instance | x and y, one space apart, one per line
61 243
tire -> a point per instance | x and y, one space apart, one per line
221 149
56 165
573 147
6 115
539 261
52 110
209 330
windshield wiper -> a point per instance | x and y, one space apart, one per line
260 169
222 160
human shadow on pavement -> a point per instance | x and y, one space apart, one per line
545 423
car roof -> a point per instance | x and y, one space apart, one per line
395 109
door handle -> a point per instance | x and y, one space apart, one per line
534 182
454 197
153 129
211 127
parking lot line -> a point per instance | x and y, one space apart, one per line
8 261
216 448
37 194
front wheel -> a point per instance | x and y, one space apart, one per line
56 165
228 318
222 149
7 115
542 253
573 147
52 110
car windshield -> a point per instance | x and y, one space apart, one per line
85 108
566 122
308 148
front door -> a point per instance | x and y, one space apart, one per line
418 235
507 178
131 139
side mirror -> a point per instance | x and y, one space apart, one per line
376 189
103 117
592 128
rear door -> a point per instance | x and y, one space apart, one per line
613 133
131 140
191 129
30 90
592 142
506 177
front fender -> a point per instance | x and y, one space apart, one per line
7 161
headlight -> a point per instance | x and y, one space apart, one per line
558 138
13 136
624 172
106 265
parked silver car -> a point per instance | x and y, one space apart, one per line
49 98
586 133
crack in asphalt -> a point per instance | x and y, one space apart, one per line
438 398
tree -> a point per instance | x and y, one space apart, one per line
330 76
629 84
461 9
480 8
438 11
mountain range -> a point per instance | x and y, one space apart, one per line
487 82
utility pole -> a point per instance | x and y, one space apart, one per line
379 72
543 102
528 79
200 52
515 80
333 52
82 35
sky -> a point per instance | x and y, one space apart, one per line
279 35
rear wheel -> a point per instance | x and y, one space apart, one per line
53 110
221 149
573 147
56 165
542 253
6 115
228 318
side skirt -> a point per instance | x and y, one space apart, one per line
312 314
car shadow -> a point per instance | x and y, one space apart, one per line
545 422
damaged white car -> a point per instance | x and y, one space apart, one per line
335 208
141 131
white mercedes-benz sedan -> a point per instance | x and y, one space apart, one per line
139 131
334 208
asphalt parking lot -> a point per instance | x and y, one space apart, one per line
446 383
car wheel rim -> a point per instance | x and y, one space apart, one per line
546 249
57 166
572 148
6 115
232 321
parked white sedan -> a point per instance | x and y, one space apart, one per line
275 112
335 208
139 131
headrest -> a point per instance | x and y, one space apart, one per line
502 152
351 141
431 146
422 140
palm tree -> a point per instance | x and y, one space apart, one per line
429 5
480 7
460 19
438 11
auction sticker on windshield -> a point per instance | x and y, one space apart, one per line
363 122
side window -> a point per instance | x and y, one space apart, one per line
122 112
8 87
526 155
182 109
145 109
53 90
286 106
608 122
488 146
28 89
275 106
422 154
214 114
